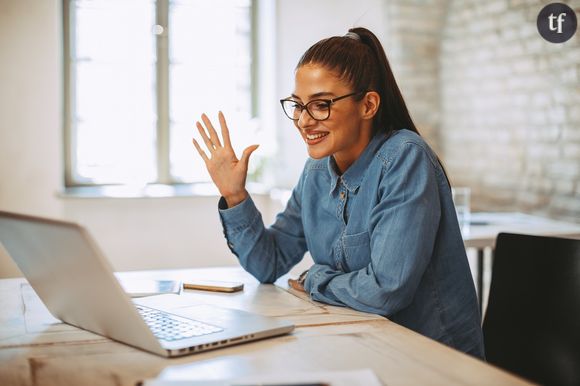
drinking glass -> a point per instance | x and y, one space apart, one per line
461 199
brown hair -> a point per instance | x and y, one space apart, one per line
359 59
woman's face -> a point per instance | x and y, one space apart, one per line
346 132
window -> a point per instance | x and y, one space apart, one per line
139 73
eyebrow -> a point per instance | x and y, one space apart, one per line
314 96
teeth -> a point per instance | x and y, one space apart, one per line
316 136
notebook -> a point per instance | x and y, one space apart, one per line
64 265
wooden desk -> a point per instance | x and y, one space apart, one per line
35 349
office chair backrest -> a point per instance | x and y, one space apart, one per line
532 323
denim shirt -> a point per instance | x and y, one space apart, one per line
384 238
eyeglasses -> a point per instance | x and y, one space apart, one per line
318 109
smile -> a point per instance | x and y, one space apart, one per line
312 137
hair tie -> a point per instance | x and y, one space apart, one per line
352 35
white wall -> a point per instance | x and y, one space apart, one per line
301 23
30 110
133 233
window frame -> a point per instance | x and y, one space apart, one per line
163 164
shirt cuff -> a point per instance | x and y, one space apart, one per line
312 278
317 280
238 217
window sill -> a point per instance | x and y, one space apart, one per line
163 191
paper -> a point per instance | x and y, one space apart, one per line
362 377
37 317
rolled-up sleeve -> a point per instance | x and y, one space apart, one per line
403 229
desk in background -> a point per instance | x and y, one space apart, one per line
485 226
35 349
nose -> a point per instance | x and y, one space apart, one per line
304 120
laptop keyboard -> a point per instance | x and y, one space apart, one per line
169 327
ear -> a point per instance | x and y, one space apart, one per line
370 104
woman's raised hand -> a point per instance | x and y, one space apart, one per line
226 171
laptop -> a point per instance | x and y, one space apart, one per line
76 283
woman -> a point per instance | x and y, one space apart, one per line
373 204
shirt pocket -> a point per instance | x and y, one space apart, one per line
357 251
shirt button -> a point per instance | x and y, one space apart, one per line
342 194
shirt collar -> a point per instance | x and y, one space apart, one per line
353 176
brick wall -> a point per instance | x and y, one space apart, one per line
510 105
499 104
412 42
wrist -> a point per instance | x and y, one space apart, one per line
234 199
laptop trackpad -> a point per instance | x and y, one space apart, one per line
214 315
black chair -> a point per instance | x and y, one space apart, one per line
532 323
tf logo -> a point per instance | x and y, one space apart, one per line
557 22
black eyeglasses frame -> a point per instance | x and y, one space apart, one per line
329 102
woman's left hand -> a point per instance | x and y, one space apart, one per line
295 284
